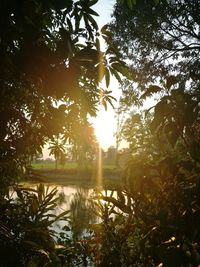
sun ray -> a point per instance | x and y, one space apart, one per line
101 72
99 167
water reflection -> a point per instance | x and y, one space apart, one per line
83 205
78 200
81 210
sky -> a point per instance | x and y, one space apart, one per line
104 8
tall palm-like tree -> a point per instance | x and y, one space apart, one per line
57 149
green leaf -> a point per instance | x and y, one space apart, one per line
40 191
35 205
43 252
107 77
122 69
160 110
69 25
104 28
58 246
107 33
110 102
101 71
91 11
77 22
130 3
151 90
104 103
115 73
62 215
87 55
92 2
117 204
93 22
98 44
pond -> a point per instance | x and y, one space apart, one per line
78 199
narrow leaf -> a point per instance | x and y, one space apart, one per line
107 77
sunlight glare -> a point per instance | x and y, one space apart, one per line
105 126
99 168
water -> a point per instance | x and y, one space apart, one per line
78 200
82 205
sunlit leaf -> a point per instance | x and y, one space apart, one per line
98 44
116 74
107 77
104 28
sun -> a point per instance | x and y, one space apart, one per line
105 127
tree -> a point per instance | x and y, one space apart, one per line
84 144
57 149
111 155
120 117
170 46
50 70
50 73
161 40
136 131
166 55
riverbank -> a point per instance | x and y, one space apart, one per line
74 176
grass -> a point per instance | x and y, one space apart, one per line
51 166
67 166
70 174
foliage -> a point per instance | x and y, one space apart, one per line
109 244
152 221
111 156
162 179
84 148
26 237
159 220
136 131
51 66
169 50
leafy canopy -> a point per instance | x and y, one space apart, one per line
51 67
161 41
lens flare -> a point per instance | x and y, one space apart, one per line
99 167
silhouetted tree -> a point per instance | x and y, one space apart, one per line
50 73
